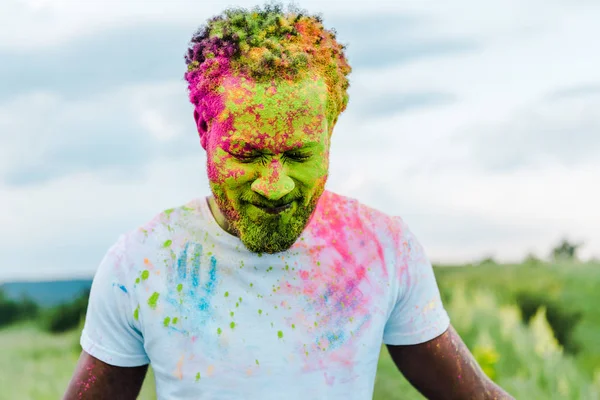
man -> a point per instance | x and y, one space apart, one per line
273 287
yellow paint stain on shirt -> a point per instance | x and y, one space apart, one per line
178 372
210 370
429 306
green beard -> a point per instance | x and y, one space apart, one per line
267 233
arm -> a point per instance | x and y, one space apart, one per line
94 379
443 368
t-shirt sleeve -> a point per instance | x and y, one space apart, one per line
418 314
111 334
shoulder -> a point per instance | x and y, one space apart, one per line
142 241
166 223
339 207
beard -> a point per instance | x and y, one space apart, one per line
266 233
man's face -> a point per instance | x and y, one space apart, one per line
268 159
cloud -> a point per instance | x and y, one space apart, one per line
474 121
93 64
146 52
380 40
64 226
382 104
119 131
584 90
565 132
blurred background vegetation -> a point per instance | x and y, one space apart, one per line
534 327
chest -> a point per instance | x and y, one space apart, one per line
229 320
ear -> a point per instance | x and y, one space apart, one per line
201 124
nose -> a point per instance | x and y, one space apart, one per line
273 183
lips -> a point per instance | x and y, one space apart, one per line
273 210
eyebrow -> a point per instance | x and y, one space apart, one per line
238 143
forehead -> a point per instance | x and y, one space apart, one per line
274 114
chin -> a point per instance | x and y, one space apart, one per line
269 236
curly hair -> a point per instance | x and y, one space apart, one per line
265 44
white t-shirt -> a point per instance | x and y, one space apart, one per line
217 321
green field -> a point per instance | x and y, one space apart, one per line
524 358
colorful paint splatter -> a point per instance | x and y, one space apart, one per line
273 287
218 321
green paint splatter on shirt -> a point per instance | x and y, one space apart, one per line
257 362
231 313
168 243
180 287
226 294
197 376
232 324
137 280
175 320
280 334
145 274
293 326
153 299
259 312
136 313
167 321
219 331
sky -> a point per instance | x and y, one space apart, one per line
476 122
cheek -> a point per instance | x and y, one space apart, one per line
311 174
229 174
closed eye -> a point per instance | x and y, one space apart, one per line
297 156
245 158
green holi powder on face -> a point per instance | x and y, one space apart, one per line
198 376
136 313
226 294
259 312
145 274
153 299
219 331
168 243
166 321
280 334
232 324
175 320
180 287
